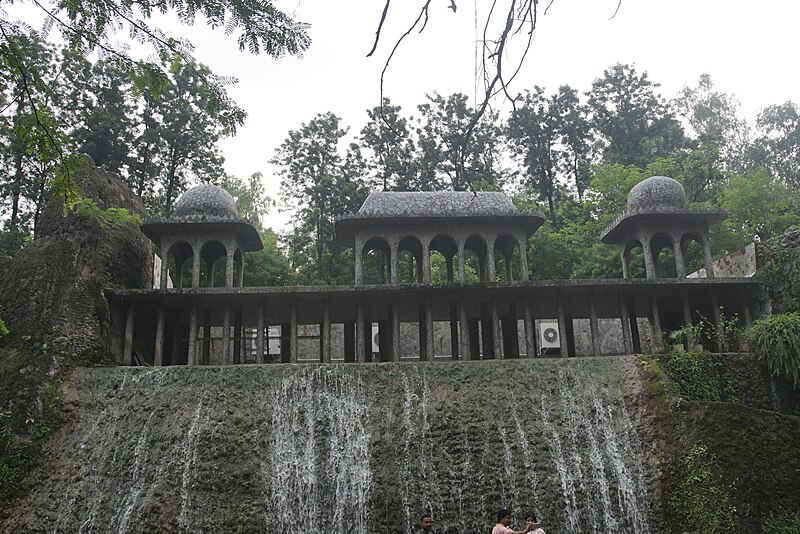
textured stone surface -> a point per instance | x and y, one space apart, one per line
436 204
206 200
657 194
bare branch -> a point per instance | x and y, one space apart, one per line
380 27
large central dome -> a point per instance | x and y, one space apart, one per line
657 194
206 201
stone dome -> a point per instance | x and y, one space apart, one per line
657 194
206 201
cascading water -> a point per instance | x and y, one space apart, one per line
346 448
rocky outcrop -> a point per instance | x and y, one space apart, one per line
779 269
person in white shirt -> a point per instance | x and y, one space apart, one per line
533 524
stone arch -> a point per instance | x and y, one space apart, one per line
447 247
662 251
476 245
506 245
692 247
177 254
633 262
213 253
376 259
409 260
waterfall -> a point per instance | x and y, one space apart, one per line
348 449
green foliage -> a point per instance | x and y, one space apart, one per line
700 502
697 375
786 522
3 329
776 340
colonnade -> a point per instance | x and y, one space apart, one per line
205 249
653 243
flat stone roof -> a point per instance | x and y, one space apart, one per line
624 226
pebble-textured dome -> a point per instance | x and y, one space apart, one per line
657 194
206 201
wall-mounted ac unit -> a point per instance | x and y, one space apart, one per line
376 348
549 337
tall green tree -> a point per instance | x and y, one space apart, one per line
392 160
778 144
574 130
633 122
319 183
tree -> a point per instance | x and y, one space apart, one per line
388 138
575 136
320 184
634 123
779 142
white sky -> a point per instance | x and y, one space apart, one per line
750 49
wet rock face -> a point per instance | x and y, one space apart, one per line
52 289
347 449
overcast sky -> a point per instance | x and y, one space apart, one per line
749 48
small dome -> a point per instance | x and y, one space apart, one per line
657 194
207 201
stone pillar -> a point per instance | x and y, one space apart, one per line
228 267
476 334
626 323
562 327
486 333
130 323
680 262
293 334
510 334
192 356
206 338
165 252
426 262
358 252
260 357
687 320
158 353
649 265
465 344
655 322
593 325
226 335
462 272
195 267
453 330
626 270
491 275
530 329
497 333
361 344
238 334
709 261
393 263
349 341
395 309
325 332
430 351
523 259
240 281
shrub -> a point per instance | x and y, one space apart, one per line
783 523
776 340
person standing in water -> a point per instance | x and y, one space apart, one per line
426 522
503 520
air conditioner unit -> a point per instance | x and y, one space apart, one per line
549 337
376 347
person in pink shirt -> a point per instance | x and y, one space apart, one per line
503 520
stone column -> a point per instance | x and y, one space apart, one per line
358 252
462 273
709 261
206 337
260 334
626 323
393 263
462 317
195 266
158 353
649 265
426 262
130 323
562 327
687 319
238 334
240 280
325 332
293 334
395 308
530 329
360 334
228 267
655 322
491 275
497 333
680 262
349 341
626 270
429 348
593 325
192 356
523 259
165 252
454 339
226 335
